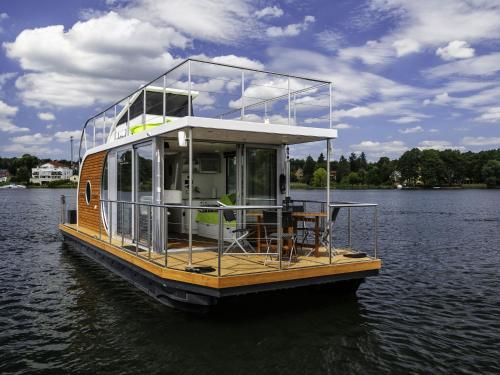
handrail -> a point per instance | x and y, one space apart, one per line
213 208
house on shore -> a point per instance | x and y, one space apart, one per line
48 172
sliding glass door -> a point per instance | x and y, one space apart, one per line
261 176
124 193
144 191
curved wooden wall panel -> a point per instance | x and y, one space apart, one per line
89 215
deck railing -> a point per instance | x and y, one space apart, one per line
217 90
233 240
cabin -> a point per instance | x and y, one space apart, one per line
184 188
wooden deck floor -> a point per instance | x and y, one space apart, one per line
231 265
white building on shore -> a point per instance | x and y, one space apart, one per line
49 172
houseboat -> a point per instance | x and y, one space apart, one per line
184 189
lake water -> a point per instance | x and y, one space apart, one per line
435 307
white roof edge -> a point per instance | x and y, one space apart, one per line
217 124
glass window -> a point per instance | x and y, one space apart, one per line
230 172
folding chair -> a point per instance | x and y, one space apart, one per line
239 235
326 232
270 219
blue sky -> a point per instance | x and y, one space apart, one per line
406 73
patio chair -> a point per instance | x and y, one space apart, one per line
326 231
239 235
270 225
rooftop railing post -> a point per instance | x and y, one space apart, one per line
327 221
289 102
242 94
114 122
164 108
144 109
330 105
280 236
294 109
220 242
189 89
93 140
104 128
128 116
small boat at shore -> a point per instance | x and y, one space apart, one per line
13 186
194 209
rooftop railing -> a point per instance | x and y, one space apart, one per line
217 90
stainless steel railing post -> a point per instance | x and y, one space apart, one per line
376 231
121 223
100 221
280 236
349 227
165 243
110 221
136 228
63 208
149 232
220 242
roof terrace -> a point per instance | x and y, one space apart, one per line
213 90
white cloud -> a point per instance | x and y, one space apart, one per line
329 40
490 115
371 53
90 62
64 136
420 25
439 99
433 130
216 21
481 141
342 126
458 49
6 114
290 30
416 129
485 65
374 148
407 119
271 12
436 145
4 77
46 116
406 46
38 150
32 139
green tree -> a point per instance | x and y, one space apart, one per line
352 179
491 173
409 165
385 168
321 162
363 164
309 167
353 162
373 176
453 166
319 178
343 168
433 169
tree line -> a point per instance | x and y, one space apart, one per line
425 168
